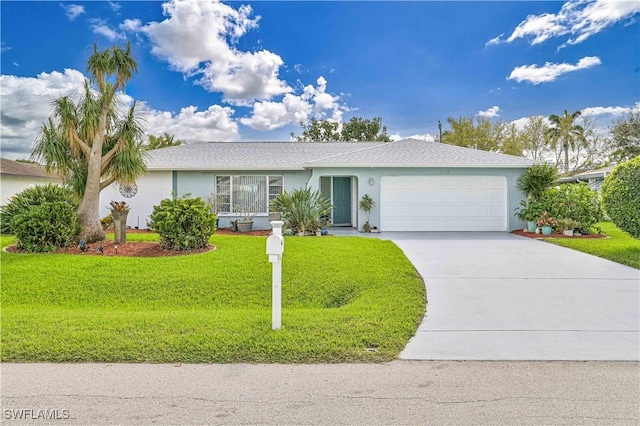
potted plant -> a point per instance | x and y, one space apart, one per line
119 212
366 205
546 223
245 221
529 211
567 226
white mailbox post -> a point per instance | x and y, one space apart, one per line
275 249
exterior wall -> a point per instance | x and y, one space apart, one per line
365 174
202 184
11 185
153 187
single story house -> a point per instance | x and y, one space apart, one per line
16 176
593 178
416 185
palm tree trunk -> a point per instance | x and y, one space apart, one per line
566 158
88 212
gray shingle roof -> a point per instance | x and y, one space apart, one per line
17 168
247 155
418 153
301 155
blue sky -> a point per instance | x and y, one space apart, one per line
252 70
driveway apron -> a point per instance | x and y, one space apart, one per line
498 296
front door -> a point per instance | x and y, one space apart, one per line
342 201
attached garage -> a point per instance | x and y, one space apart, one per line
443 203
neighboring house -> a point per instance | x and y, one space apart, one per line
593 178
416 185
16 177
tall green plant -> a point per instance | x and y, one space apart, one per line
576 202
621 196
183 223
301 209
93 141
535 181
34 196
366 205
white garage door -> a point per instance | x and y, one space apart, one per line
443 203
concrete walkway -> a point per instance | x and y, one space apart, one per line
498 296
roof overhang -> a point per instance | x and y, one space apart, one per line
419 165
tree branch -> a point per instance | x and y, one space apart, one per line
106 183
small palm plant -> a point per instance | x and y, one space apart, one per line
366 205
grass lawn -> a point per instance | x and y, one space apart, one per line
345 299
619 247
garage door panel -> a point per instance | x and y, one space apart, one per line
443 203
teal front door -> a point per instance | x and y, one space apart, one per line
342 201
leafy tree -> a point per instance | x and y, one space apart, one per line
565 133
481 133
533 136
164 141
357 129
621 196
625 137
92 141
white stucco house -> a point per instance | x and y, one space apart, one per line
416 185
16 176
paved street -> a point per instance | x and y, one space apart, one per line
397 393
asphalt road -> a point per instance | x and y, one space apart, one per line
396 393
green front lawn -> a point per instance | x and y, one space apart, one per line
619 247
344 300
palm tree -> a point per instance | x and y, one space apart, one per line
92 141
563 130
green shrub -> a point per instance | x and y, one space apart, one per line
576 202
538 179
34 196
46 227
183 223
302 209
621 196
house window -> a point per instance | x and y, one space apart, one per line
247 193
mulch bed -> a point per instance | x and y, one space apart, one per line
138 248
553 235
128 249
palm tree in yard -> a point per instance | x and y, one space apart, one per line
566 132
94 140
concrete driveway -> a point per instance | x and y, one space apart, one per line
498 296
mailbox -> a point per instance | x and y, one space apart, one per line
275 247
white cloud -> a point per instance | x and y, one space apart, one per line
26 105
492 112
550 71
579 19
114 6
292 109
73 10
198 38
610 110
423 137
99 26
191 125
494 40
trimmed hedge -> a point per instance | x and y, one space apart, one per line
183 223
46 227
43 218
34 196
621 196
